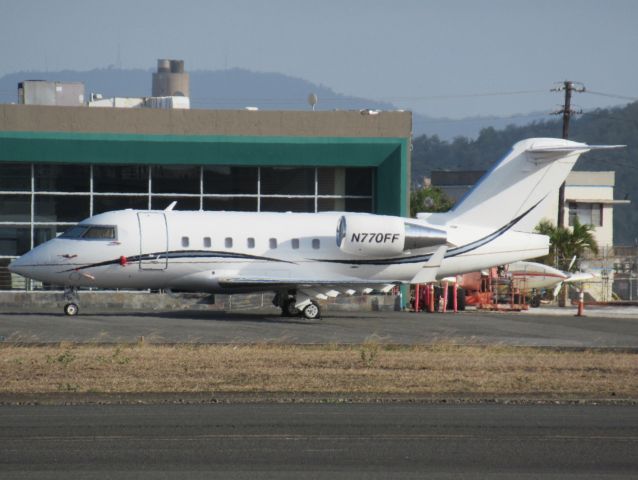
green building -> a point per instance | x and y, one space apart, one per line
60 165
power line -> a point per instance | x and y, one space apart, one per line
465 95
612 95
474 119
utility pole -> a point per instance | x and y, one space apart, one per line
567 112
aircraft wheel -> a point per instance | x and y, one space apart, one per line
535 301
312 312
71 309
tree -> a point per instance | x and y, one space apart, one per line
565 243
429 199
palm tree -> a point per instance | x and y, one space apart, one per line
566 243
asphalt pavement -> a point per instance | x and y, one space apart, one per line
603 328
319 441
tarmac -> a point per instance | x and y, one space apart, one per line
331 441
602 327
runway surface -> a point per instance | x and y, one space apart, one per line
319 441
556 328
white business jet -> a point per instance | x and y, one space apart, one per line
305 256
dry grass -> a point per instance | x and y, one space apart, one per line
370 368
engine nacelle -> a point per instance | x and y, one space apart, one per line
380 236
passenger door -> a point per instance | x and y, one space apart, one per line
153 240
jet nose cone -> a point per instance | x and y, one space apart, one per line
17 266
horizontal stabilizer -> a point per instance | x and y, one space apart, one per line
574 148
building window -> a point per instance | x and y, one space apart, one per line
250 242
587 213
175 179
207 242
223 179
120 178
287 181
61 208
228 242
272 243
316 243
231 204
16 177
14 240
295 243
185 241
62 178
15 208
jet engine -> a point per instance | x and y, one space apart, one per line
378 236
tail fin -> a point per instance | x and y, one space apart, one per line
517 184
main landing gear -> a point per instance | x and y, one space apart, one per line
71 308
290 307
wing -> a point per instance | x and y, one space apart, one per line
311 287
335 284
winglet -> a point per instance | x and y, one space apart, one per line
428 272
171 206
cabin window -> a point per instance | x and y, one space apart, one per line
228 242
250 242
272 243
316 243
185 241
207 242
295 243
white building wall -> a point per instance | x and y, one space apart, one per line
580 187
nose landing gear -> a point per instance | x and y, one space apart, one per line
71 308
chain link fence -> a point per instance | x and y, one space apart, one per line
625 273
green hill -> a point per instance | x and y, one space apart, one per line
603 126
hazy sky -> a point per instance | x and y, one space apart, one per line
421 55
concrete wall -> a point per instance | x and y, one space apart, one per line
144 301
34 118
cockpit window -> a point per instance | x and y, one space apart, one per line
75 232
91 232
100 232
